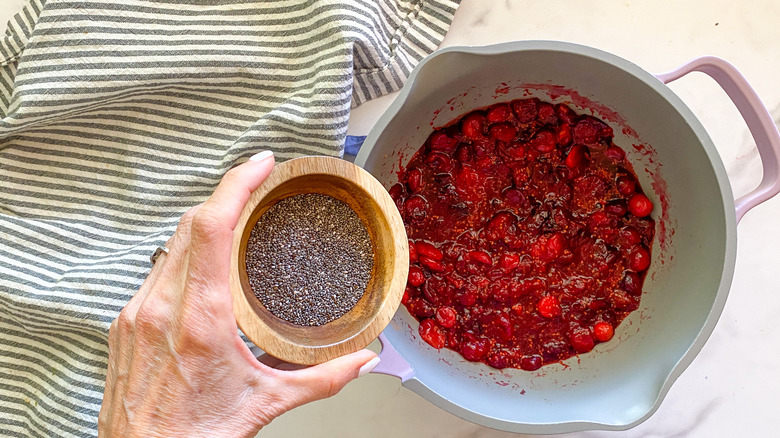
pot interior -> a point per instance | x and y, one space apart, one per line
620 382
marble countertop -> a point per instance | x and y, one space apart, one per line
732 388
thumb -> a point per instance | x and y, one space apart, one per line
327 379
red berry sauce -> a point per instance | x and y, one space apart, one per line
529 234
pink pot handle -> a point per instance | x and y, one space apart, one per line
758 120
392 363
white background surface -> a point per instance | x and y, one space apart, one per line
733 387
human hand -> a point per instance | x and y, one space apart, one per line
176 364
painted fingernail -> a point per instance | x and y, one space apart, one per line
260 156
368 367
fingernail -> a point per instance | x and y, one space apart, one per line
260 156
368 367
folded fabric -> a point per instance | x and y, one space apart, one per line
116 117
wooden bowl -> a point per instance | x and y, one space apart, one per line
362 324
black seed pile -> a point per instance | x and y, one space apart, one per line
309 259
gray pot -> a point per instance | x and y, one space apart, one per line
622 382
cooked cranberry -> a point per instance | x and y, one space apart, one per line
563 173
417 208
581 340
442 142
631 283
464 154
549 307
646 228
532 154
446 316
629 236
626 185
498 359
480 257
566 114
561 193
618 207
503 327
499 113
433 265
437 291
509 261
501 226
416 276
556 244
597 304
503 132
590 130
453 250
601 219
546 113
502 289
520 176
589 190
639 205
467 297
543 141
515 151
474 350
622 301
412 252
639 259
603 331
525 110
414 179
454 280
516 198
563 134
397 193
531 362
483 147
554 348
432 333
420 308
615 153
485 163
473 126
531 286
406 296
576 156
439 162
428 250
453 340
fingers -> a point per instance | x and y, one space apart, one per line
327 379
177 246
212 226
121 337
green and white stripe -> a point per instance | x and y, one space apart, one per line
116 117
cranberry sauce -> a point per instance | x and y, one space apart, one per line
529 234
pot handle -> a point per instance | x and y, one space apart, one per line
391 362
755 114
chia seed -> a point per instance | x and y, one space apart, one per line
309 259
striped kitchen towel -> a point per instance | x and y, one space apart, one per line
117 116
